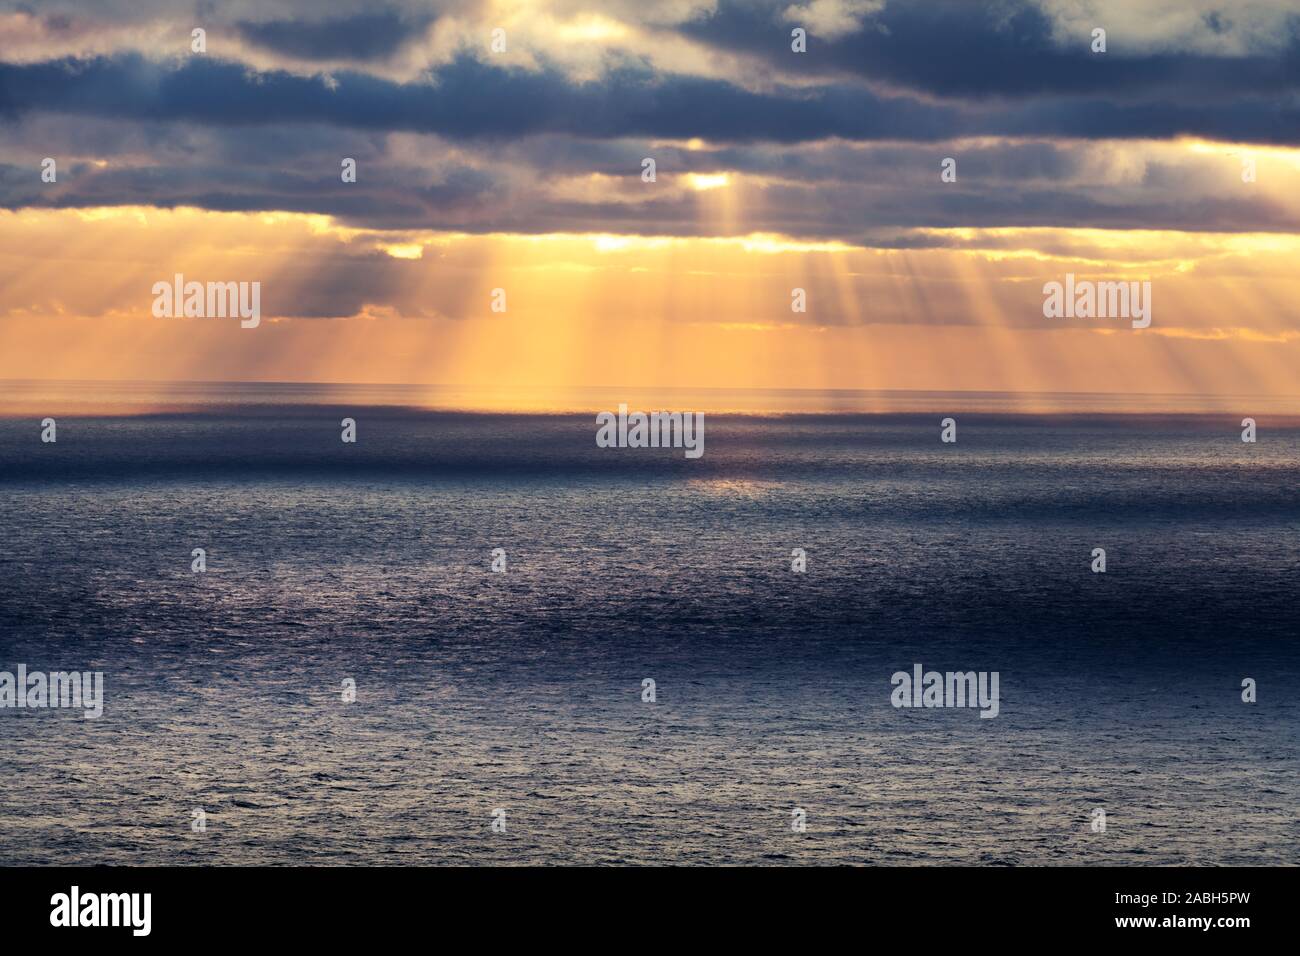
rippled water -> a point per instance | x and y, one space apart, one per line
523 690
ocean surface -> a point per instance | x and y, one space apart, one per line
522 690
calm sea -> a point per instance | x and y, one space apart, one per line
523 691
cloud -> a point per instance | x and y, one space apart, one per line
470 99
365 36
847 151
1012 48
863 193
831 18
466 99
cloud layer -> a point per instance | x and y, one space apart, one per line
843 141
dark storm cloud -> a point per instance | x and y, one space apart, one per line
466 99
340 285
962 49
469 99
837 161
367 36
854 153
836 191
388 196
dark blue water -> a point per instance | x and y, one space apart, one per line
523 690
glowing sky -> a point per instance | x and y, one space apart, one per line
521 170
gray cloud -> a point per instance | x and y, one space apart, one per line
833 156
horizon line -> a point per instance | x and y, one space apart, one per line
647 388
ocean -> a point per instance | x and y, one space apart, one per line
518 697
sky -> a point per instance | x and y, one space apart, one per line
502 146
